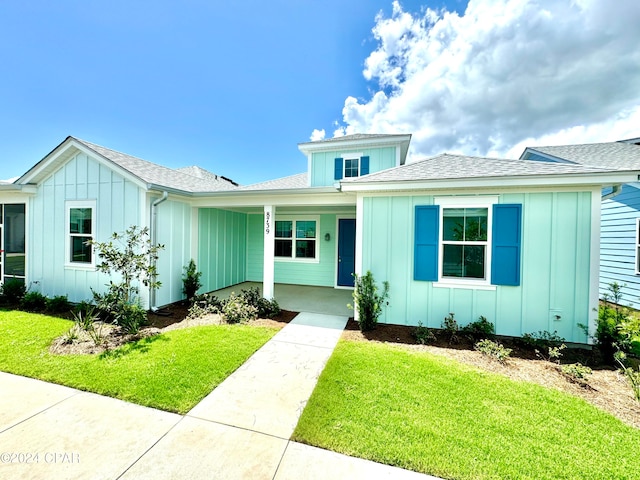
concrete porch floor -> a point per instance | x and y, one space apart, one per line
302 298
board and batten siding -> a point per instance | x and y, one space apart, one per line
222 248
555 259
118 206
321 274
618 240
323 163
174 232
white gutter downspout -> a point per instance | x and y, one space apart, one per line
153 237
616 190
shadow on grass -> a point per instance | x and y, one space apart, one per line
139 346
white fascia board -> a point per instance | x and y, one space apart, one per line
338 144
610 178
29 189
242 199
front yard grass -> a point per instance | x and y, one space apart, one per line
437 416
172 371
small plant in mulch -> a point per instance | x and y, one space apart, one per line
493 350
191 281
553 354
423 335
450 328
633 376
369 300
481 328
577 373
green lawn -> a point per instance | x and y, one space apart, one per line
433 415
172 371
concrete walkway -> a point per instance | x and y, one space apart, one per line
239 431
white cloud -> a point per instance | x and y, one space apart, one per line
317 135
504 74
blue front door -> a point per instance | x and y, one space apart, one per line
346 251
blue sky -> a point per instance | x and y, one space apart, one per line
235 86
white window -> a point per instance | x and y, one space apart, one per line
351 167
80 229
465 240
296 239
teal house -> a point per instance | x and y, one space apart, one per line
516 241
620 216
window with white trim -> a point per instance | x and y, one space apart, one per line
296 239
351 167
80 230
465 240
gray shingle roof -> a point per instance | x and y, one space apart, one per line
352 137
612 155
449 167
152 173
294 181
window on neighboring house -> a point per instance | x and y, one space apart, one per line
296 239
464 242
81 226
638 246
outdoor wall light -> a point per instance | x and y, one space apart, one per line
327 236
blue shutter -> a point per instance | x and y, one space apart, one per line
425 253
364 166
338 169
507 241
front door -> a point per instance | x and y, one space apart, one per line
12 242
346 251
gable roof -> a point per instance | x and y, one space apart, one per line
611 155
285 183
447 170
151 174
359 140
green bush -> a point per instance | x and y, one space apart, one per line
493 349
368 301
205 304
33 302
632 375
236 309
480 329
58 304
450 328
423 335
130 316
577 373
542 340
191 280
12 291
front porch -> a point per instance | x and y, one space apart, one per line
302 298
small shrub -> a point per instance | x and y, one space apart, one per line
33 302
266 308
204 305
423 335
577 373
237 310
493 349
632 375
58 304
481 328
84 319
450 327
191 280
131 316
543 339
368 301
12 291
553 355
70 336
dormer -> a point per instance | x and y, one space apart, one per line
331 160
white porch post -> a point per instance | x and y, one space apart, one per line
269 245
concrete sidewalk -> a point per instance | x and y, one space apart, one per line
239 431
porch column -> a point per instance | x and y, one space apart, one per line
269 245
